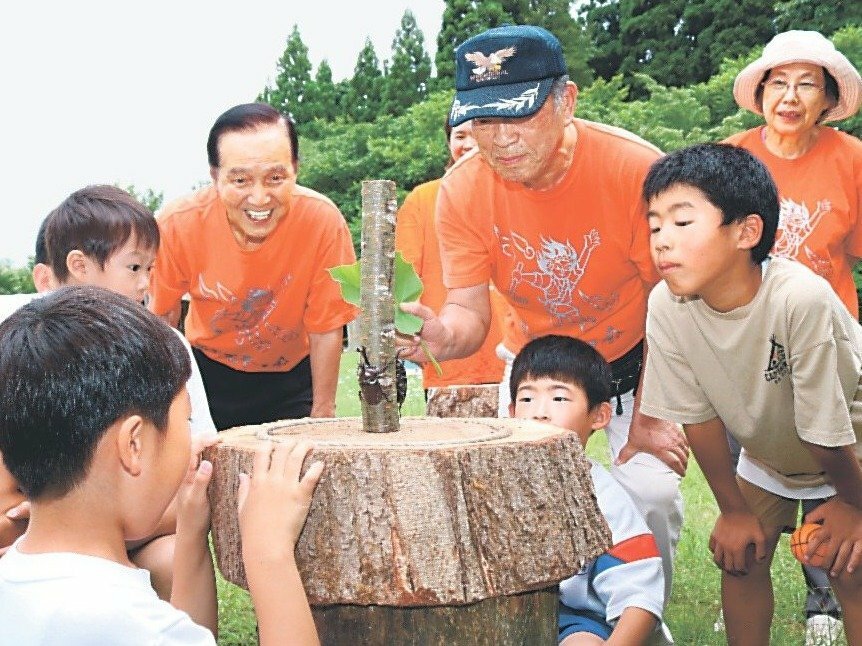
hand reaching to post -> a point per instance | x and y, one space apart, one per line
659 437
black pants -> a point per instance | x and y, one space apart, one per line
237 398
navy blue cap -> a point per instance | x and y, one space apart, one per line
505 72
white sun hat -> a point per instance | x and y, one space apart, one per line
802 47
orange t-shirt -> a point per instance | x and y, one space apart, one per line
416 239
253 310
819 223
571 260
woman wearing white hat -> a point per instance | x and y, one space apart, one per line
800 82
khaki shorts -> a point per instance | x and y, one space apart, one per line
775 513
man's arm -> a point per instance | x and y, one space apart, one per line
459 329
737 527
325 353
661 438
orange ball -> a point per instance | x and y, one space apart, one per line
799 543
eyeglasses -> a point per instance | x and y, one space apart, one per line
802 89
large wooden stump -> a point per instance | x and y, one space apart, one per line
476 400
431 535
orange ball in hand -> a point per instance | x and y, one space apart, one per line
799 544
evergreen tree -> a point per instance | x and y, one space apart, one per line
363 99
462 19
321 96
825 17
676 42
556 17
406 81
294 76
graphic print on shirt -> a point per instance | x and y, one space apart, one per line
795 224
559 269
248 318
777 367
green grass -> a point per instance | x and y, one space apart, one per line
694 603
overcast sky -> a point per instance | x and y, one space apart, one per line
119 91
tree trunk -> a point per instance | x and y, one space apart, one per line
376 370
447 512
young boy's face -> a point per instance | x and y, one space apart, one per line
126 271
693 252
559 403
168 456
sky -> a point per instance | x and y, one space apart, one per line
98 91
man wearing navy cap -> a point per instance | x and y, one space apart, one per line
550 209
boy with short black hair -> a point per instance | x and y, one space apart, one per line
764 348
100 235
98 439
619 595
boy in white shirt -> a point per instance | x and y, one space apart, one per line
763 348
618 597
98 439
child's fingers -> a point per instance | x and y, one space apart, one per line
296 458
760 548
203 475
262 457
842 555
242 491
311 478
855 558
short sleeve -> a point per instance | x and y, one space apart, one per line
670 389
409 232
325 309
169 280
464 254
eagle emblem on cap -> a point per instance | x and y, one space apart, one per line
489 66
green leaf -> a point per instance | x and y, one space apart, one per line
348 277
406 288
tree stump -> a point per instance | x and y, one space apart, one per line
449 532
477 400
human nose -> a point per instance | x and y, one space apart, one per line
258 195
660 241
504 134
540 410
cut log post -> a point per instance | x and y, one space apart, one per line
446 522
477 400
376 370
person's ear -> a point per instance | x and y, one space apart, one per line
750 231
601 416
77 263
214 174
572 91
130 443
43 277
511 409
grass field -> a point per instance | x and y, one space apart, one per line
694 604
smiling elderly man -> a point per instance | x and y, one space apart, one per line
551 211
265 319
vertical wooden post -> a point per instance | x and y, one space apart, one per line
376 323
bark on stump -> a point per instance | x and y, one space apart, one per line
452 532
477 400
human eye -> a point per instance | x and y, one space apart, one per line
779 85
239 181
561 398
682 223
524 399
134 267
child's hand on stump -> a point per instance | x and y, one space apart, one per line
193 511
274 501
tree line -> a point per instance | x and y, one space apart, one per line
663 70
